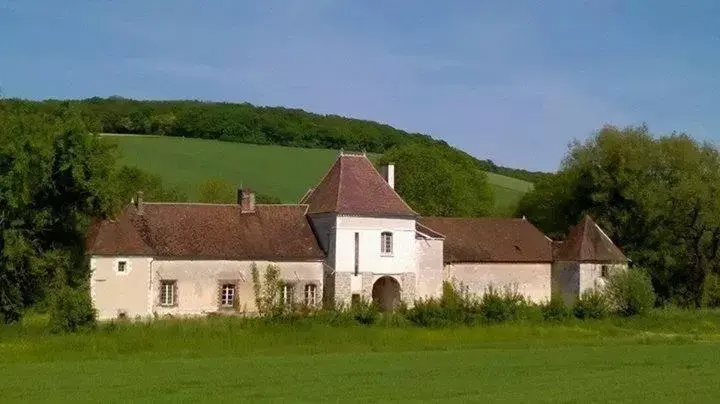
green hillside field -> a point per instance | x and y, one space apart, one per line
284 172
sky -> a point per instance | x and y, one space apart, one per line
512 81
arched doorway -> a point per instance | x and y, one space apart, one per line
386 293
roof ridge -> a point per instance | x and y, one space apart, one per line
340 181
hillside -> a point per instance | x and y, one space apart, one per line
285 172
242 123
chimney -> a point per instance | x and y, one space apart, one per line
388 172
246 199
139 202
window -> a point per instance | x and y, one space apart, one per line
386 243
357 253
167 293
227 295
122 266
287 293
604 271
310 293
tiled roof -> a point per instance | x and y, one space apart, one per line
586 242
490 240
353 186
206 231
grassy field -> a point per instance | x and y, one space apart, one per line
284 172
668 356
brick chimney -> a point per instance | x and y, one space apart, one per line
246 199
139 202
388 172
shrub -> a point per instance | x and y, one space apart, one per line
711 291
71 310
428 313
365 312
496 307
555 309
593 303
630 292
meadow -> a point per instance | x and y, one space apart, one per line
284 172
667 355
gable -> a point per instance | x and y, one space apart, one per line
586 242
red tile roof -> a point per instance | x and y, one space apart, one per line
586 242
353 186
490 240
206 231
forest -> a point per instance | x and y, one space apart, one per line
243 123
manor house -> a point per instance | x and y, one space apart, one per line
351 237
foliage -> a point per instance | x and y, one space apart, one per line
497 306
593 303
130 180
630 292
555 309
711 291
244 123
72 310
267 296
440 182
656 196
54 176
365 312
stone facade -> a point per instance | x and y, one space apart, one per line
571 279
533 280
197 284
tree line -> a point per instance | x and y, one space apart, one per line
244 123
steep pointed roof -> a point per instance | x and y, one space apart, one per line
353 186
586 242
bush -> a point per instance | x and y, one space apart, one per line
593 303
630 292
711 291
497 307
365 312
555 309
429 313
71 310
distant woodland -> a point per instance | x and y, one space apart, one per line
244 123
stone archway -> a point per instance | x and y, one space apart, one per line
386 293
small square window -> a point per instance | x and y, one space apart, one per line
310 294
227 295
604 271
122 266
168 291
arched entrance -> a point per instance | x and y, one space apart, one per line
386 293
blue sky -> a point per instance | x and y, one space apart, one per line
513 81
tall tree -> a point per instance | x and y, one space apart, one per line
440 182
54 176
657 197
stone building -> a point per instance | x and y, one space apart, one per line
351 237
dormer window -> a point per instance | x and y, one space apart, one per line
386 243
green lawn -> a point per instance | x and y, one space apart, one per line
665 357
285 172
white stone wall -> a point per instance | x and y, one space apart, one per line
430 274
371 260
566 281
533 280
137 292
113 292
199 283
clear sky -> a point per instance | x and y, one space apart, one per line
513 81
